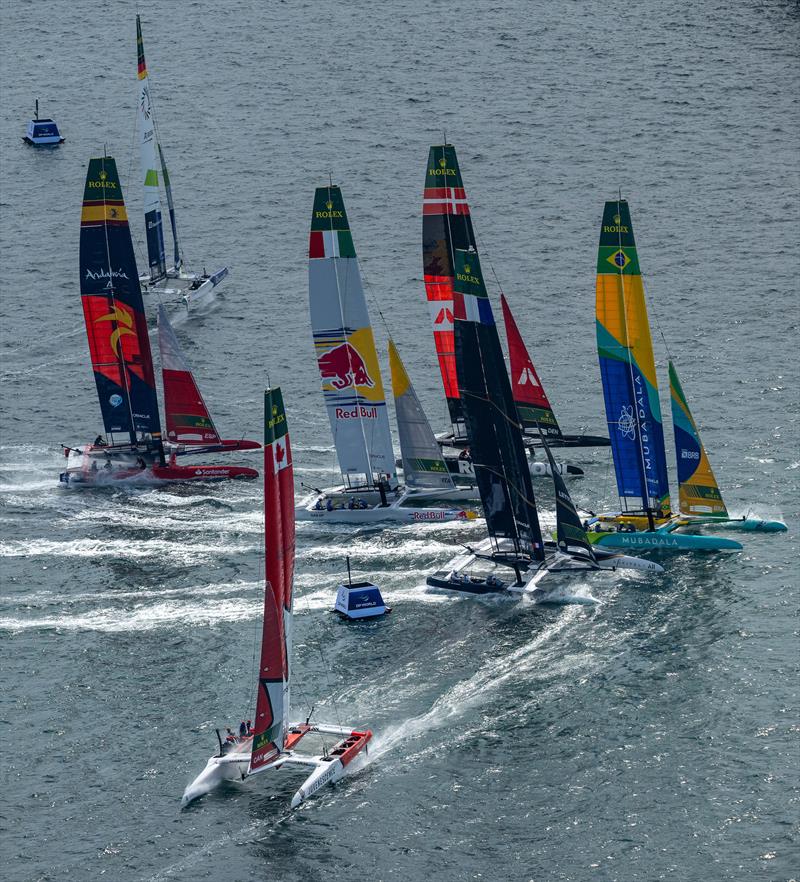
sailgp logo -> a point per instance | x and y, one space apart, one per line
627 422
527 376
124 325
344 366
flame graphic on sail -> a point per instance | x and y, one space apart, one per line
124 320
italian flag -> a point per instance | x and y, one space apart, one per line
331 243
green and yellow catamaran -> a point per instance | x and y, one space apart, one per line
633 412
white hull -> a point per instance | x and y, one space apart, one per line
200 293
372 511
327 769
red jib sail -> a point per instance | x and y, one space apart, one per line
187 417
533 407
272 706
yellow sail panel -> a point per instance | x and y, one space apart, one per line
698 491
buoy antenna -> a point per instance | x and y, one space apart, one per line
349 576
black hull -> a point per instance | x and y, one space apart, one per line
533 441
473 586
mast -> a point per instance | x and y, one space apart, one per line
698 491
345 347
113 310
423 464
186 415
177 258
495 436
533 406
154 230
272 703
627 368
446 226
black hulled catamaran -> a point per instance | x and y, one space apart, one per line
494 434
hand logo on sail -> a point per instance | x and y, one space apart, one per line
626 422
124 325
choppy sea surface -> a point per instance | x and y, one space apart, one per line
651 735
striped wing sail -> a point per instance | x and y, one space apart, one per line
345 345
627 367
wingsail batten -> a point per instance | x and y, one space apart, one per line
272 703
423 464
698 491
113 309
187 418
495 436
533 406
154 229
627 366
446 226
178 260
345 346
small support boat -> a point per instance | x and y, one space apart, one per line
359 600
119 346
272 743
42 132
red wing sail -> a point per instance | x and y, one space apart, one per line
272 706
187 417
113 309
533 407
446 225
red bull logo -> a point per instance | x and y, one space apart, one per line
343 366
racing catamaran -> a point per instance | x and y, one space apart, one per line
119 346
495 438
272 743
447 227
633 411
352 384
200 290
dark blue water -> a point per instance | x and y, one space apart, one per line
651 736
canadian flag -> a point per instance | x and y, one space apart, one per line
279 458
527 376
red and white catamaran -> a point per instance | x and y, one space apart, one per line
133 450
273 742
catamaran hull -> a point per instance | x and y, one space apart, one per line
394 512
81 477
462 470
328 769
663 541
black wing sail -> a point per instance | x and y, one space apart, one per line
495 436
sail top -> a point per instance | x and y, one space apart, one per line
533 406
698 491
446 225
423 464
627 367
154 230
113 309
495 435
345 346
187 418
272 702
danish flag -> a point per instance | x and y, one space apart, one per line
527 376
